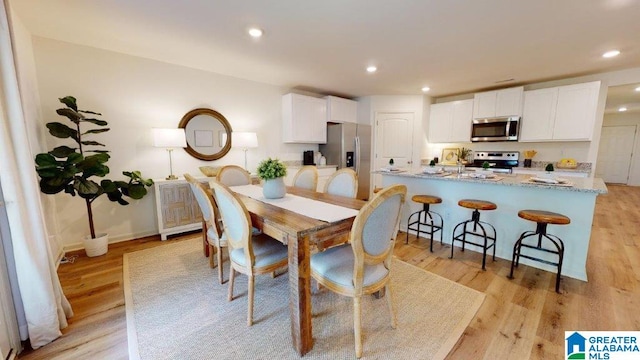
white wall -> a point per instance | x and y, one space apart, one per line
621 119
134 95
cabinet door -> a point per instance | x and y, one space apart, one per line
509 102
576 111
440 122
304 119
538 115
341 110
461 121
484 104
176 205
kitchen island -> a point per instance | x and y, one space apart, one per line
511 193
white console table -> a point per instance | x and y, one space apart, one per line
176 207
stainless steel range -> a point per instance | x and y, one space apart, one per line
500 161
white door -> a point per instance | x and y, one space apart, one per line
394 140
5 344
614 153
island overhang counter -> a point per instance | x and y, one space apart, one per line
511 193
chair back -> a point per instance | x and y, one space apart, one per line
372 232
306 178
236 220
207 204
343 182
232 175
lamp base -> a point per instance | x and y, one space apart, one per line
171 177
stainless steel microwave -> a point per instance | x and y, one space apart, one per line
495 129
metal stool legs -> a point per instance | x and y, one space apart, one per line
478 230
541 231
426 218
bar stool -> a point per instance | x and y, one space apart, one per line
478 226
542 219
426 218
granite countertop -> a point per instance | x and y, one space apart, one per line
577 170
318 166
586 185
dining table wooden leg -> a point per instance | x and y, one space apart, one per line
300 294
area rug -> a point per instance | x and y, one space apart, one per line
176 309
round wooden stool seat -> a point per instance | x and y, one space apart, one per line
477 204
426 199
546 217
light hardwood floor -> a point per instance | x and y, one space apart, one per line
519 319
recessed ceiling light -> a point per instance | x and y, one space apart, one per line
622 109
638 88
425 89
372 69
610 54
255 32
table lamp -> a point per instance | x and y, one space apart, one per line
244 141
169 139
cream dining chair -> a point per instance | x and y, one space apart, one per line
216 239
248 254
306 178
343 182
232 175
364 265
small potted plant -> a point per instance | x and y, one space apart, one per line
272 171
391 162
486 168
465 153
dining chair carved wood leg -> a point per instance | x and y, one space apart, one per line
232 275
250 309
220 270
211 251
205 241
394 319
357 317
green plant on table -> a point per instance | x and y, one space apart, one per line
486 165
549 167
71 169
464 154
391 162
271 169
432 163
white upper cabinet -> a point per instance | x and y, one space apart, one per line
564 113
576 111
451 122
505 102
341 110
304 119
538 114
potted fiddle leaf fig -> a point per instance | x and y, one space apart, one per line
272 171
72 169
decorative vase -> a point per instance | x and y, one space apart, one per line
274 188
96 246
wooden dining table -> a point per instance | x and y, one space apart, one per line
299 233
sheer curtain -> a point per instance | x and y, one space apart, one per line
45 306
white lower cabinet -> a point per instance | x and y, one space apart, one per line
176 207
564 113
324 173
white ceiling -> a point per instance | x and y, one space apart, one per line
453 46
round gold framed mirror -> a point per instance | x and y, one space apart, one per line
208 134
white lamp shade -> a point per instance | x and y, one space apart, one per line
169 138
244 140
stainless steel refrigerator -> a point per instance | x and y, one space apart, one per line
349 145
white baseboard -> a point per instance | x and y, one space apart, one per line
116 239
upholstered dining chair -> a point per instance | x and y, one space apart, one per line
248 254
343 182
216 239
364 265
306 178
232 175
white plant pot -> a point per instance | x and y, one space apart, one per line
274 188
96 246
